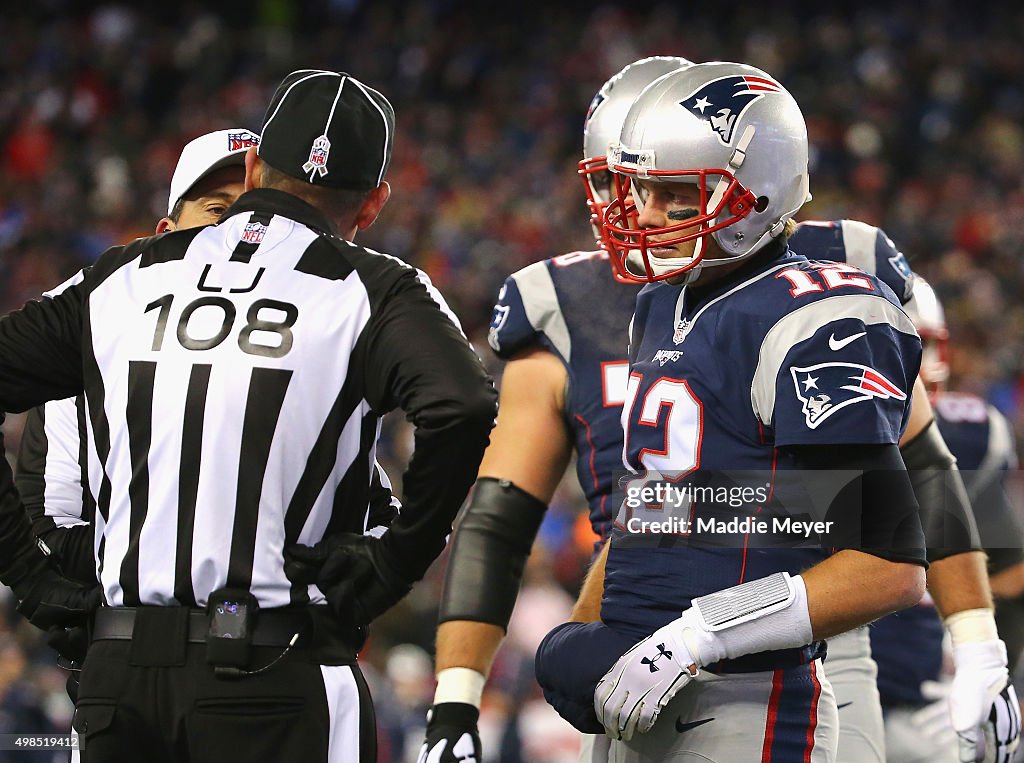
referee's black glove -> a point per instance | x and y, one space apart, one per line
69 643
354 573
452 735
48 599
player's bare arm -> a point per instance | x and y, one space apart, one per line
842 591
513 488
530 411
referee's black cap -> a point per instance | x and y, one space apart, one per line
329 129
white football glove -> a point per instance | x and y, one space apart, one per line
646 678
982 704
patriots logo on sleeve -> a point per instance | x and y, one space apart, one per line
826 388
498 318
902 268
722 101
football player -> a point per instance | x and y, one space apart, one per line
750 135
908 645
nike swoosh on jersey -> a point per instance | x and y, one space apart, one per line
681 727
838 344
845 704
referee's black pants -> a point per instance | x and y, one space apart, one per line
298 710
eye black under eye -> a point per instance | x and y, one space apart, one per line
682 214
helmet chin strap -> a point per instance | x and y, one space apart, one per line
659 266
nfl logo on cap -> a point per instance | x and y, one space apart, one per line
328 128
318 154
241 140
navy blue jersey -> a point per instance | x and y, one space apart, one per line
785 352
908 645
573 307
859 244
979 436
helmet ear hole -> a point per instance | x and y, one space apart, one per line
761 204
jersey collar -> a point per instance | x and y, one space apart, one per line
280 203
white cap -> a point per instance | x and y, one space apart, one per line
207 153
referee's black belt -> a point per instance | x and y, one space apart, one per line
274 627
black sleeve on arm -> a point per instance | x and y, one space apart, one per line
416 358
40 360
946 515
869 497
20 554
489 553
71 544
41 352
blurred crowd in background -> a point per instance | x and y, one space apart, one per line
916 119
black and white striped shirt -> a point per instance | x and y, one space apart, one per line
52 476
234 379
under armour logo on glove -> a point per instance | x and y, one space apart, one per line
649 661
451 734
631 695
464 751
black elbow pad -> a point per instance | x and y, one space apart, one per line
489 553
946 515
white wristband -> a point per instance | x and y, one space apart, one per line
460 685
784 623
971 626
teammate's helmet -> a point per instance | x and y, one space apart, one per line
735 133
604 121
929 319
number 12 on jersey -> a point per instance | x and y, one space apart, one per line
666 432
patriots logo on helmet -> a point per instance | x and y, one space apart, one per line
596 101
722 101
826 388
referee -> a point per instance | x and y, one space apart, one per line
235 376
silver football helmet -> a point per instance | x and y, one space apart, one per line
929 319
731 130
604 122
